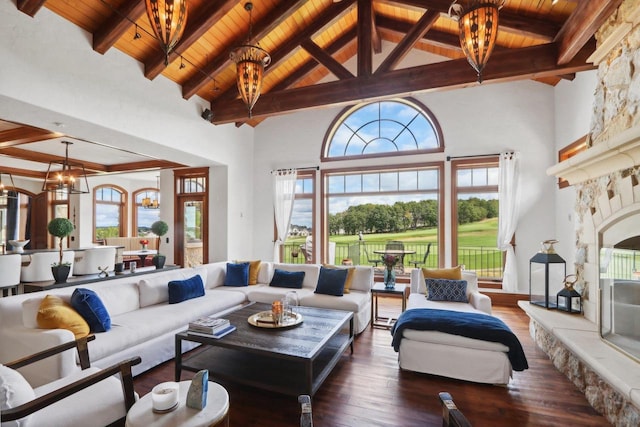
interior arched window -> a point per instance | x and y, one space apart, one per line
383 128
109 212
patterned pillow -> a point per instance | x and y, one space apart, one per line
447 290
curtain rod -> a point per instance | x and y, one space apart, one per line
298 169
449 158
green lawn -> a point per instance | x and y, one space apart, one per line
477 234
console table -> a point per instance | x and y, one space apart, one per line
89 278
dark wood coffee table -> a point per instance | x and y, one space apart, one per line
291 361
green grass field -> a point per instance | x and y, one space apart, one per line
476 234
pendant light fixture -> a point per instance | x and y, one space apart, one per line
148 202
168 19
250 62
478 29
8 179
71 178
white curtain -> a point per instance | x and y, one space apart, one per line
509 167
284 190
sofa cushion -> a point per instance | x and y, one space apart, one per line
362 278
90 306
118 297
54 313
154 290
331 281
254 269
14 391
287 279
454 273
350 274
30 309
237 274
311 272
447 290
182 290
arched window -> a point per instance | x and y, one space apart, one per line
383 128
109 207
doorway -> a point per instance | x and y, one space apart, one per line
191 245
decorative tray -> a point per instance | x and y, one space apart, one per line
264 319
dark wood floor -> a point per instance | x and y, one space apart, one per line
368 389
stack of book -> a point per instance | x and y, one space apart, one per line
210 326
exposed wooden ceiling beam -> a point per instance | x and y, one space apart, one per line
144 165
311 64
27 173
582 25
376 40
24 135
411 38
34 156
437 38
197 25
326 59
509 21
509 65
30 7
275 16
365 37
117 25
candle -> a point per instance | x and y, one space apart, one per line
165 396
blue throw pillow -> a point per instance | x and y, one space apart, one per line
447 290
182 290
89 305
237 274
331 281
287 279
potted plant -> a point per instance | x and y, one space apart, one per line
159 228
60 228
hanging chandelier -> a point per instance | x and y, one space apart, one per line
478 26
71 178
148 202
168 19
250 62
3 190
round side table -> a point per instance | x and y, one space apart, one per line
215 414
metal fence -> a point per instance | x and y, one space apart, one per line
487 262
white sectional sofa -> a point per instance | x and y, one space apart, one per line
144 324
448 355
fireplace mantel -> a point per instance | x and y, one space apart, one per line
620 152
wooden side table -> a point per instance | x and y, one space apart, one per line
379 288
215 414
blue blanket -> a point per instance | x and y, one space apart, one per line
470 325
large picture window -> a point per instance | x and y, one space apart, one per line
298 247
475 216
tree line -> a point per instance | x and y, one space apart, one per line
404 216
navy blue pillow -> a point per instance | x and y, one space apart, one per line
287 279
182 290
237 274
89 305
331 281
447 290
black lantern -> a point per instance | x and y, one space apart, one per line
568 299
546 268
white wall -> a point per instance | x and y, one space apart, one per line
484 119
573 112
51 74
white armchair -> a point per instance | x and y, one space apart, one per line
39 267
91 260
10 278
91 397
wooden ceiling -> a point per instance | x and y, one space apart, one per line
324 53
312 41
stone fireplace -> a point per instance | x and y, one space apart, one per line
600 352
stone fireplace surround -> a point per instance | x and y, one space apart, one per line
606 178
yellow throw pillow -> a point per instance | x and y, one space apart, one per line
348 280
54 313
254 269
454 273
